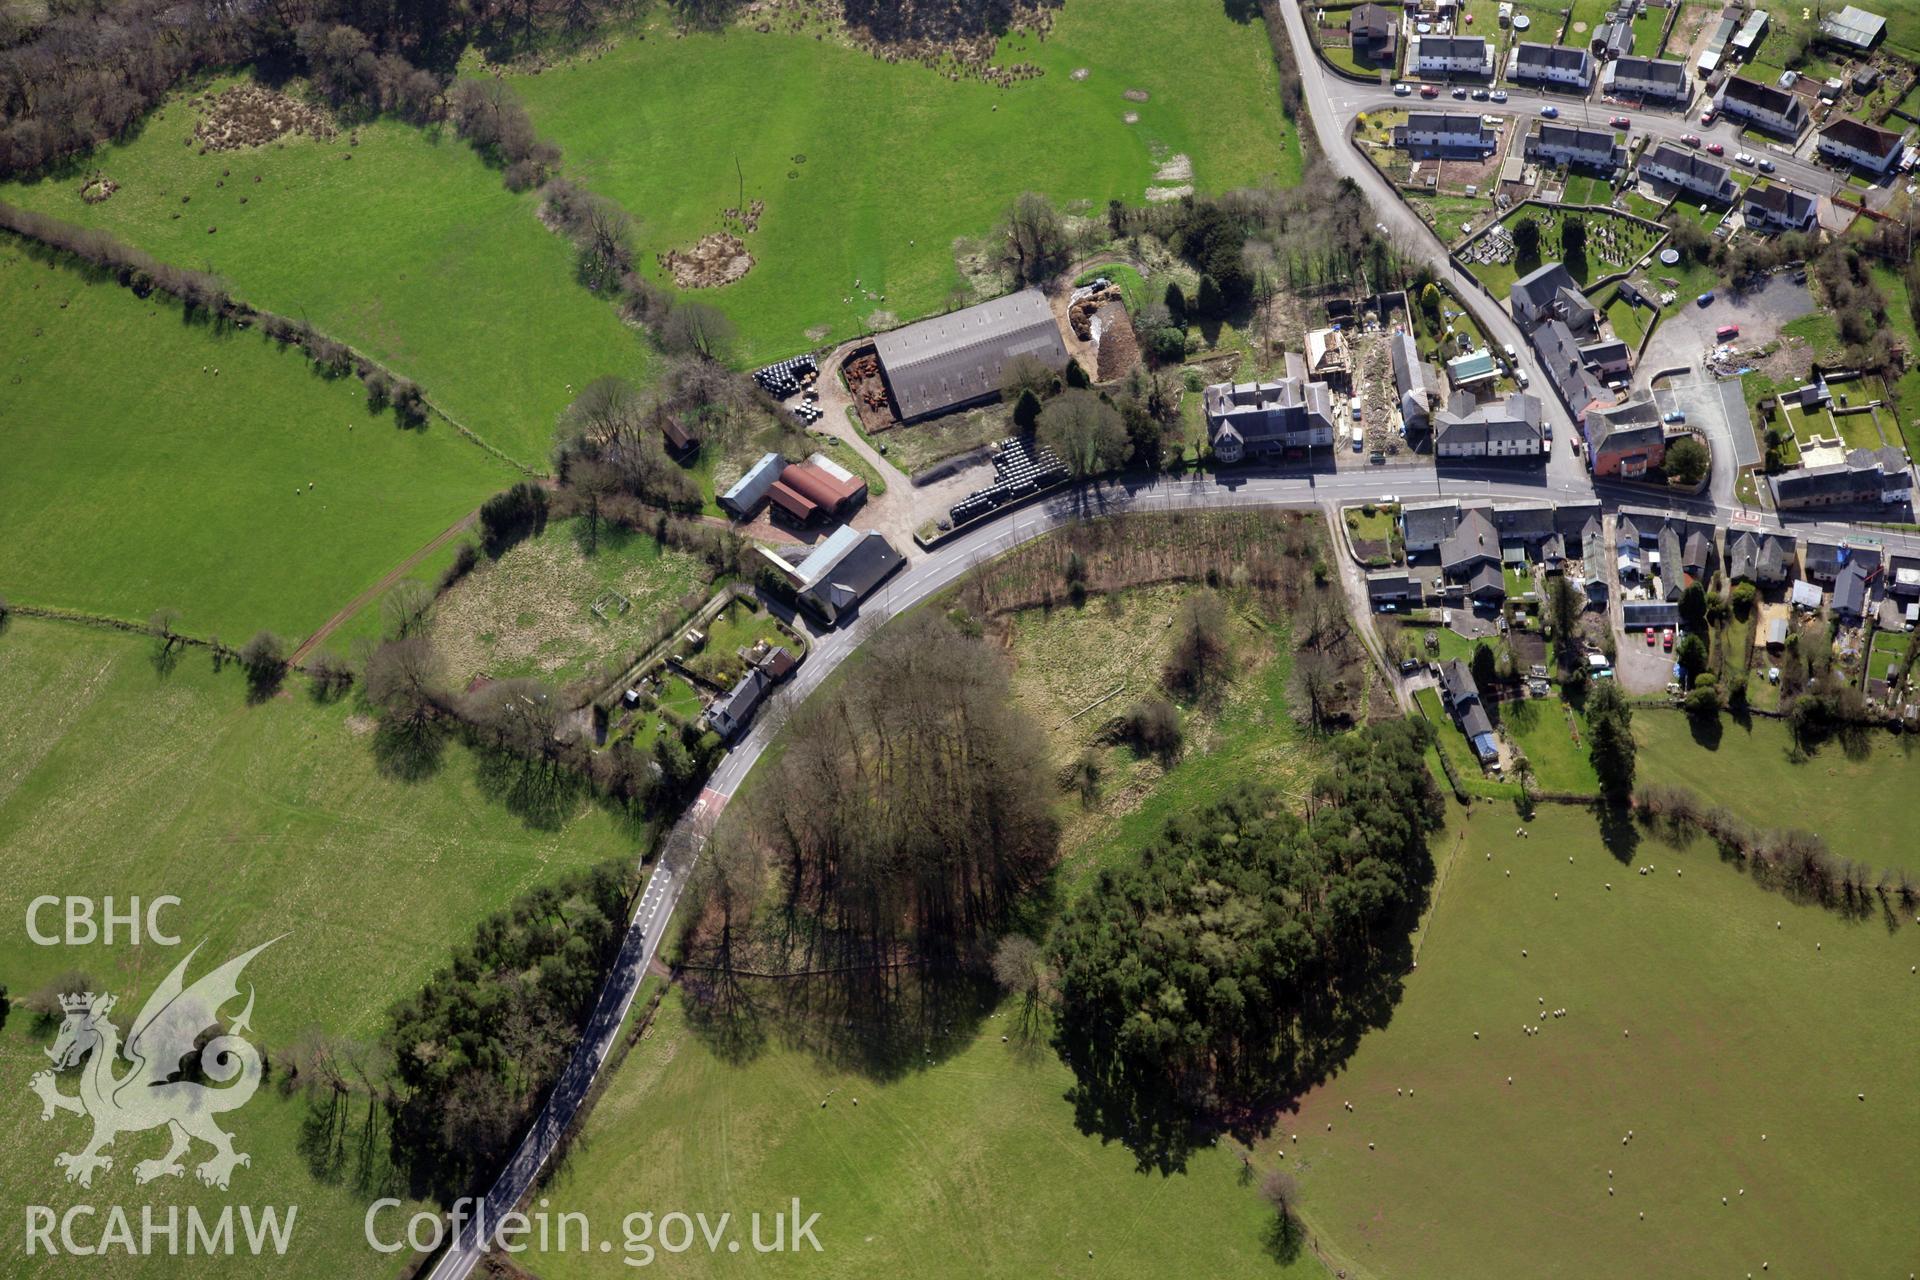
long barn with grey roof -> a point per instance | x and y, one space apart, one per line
950 361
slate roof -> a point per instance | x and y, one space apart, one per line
1656 70
1845 131
1699 169
1750 95
957 358
1463 421
1560 356
1535 56
1850 591
1429 522
1471 542
1781 204
842 582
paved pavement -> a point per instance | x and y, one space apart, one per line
934 571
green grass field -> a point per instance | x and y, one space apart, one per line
264 820
137 478
406 246
1545 728
1862 807
870 171
1691 1021
968 1167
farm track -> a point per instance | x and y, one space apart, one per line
374 592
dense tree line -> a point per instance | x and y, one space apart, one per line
1249 947
475 1050
205 296
1792 860
72 77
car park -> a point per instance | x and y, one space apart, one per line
1402 90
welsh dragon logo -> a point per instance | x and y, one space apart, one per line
153 1092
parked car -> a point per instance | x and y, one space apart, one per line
1726 333
1550 112
1402 89
1764 165
1499 95
1520 376
1691 139
1705 299
1741 157
1715 149
1459 91
1620 122
1666 638
1378 458
1429 90
1673 417
1707 116
1481 95
1359 443
1408 666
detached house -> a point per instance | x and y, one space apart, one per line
1766 207
1651 79
1371 28
1450 55
1849 141
1763 106
1688 170
1550 64
1462 697
1254 419
1825 557
1626 440
1559 144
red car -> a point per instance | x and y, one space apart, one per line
1620 122
1706 117
1714 148
1429 91
1691 139
1649 637
1666 638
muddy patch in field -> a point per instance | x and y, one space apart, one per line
1178 168
716 259
98 188
249 115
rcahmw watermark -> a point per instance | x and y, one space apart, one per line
642 1237
85 1230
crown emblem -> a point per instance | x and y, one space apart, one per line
78 1002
